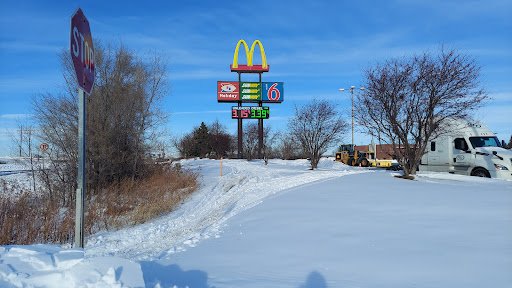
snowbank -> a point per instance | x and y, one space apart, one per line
52 266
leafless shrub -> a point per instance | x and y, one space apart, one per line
251 140
408 99
316 126
289 148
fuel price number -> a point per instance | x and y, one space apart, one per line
249 112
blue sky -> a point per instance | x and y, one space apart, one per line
314 47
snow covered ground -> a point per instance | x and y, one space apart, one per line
282 225
15 174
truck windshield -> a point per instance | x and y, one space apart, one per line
484 142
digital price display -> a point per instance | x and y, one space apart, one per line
249 112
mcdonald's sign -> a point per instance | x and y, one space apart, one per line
250 68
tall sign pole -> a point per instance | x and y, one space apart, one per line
82 55
260 129
250 92
240 126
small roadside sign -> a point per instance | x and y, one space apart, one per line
44 147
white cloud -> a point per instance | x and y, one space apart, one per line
31 83
201 112
199 74
16 116
29 47
501 97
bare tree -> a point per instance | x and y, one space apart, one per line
124 114
152 81
317 125
57 118
408 99
221 142
270 138
184 144
289 148
251 140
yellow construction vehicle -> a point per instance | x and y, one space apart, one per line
348 155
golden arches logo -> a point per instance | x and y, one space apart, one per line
250 53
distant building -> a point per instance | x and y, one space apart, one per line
384 151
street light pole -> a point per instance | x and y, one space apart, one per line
352 104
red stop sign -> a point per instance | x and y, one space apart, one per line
82 50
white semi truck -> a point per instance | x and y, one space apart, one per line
468 148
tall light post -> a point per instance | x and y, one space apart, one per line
352 96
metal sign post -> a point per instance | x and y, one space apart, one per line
80 191
260 129
240 127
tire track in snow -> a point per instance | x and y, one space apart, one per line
205 213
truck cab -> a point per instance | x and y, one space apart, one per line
468 148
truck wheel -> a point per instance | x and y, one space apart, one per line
480 172
364 162
351 161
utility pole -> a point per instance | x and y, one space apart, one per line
352 101
21 139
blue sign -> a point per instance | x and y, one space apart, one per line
272 92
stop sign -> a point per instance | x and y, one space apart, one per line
82 50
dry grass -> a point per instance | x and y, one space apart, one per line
33 219
30 219
130 203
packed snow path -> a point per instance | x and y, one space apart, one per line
243 185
